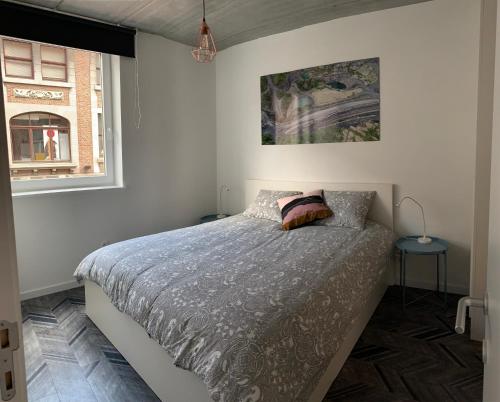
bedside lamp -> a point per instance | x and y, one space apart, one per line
222 188
423 239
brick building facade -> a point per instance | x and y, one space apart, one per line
53 108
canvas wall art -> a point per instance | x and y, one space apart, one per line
337 102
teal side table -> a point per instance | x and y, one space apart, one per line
214 217
409 245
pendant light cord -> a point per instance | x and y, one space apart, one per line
137 97
203 10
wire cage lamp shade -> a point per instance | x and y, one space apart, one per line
205 49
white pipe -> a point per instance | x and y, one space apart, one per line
463 303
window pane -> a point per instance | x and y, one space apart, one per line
39 119
98 69
58 121
53 54
100 127
51 144
64 146
38 145
17 49
18 68
54 136
21 145
53 72
21 120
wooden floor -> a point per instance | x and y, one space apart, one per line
401 356
411 356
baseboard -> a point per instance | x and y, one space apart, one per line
59 287
431 285
47 290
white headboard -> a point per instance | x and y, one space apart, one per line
381 210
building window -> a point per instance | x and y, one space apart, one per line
54 63
100 128
63 136
98 72
40 137
18 58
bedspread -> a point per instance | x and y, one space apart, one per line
255 311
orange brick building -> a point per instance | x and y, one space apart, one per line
53 107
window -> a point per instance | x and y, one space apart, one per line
40 137
100 128
18 59
53 62
98 73
62 134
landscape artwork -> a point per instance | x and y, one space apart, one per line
337 102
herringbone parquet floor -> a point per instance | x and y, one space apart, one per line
411 356
401 357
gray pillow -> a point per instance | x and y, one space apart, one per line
350 208
265 205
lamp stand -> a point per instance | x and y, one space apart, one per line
424 240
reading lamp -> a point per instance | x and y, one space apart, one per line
422 239
222 188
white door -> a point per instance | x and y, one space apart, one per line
13 382
492 330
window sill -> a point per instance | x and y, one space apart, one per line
37 81
65 190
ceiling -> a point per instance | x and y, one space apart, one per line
231 21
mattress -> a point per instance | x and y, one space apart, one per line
255 311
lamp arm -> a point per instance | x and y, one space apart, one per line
222 188
423 218
407 197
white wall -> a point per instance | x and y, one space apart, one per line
169 171
429 72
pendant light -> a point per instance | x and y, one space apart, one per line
205 50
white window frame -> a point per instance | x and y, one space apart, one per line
113 157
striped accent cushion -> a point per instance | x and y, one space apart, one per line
297 210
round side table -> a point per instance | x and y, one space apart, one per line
211 218
410 245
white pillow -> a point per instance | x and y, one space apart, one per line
266 206
350 208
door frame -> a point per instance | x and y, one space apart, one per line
10 302
481 208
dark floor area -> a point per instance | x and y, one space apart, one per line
413 355
402 356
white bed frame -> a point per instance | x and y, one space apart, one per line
155 366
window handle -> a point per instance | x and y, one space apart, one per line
463 303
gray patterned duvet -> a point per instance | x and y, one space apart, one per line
255 311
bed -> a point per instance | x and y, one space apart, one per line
238 309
